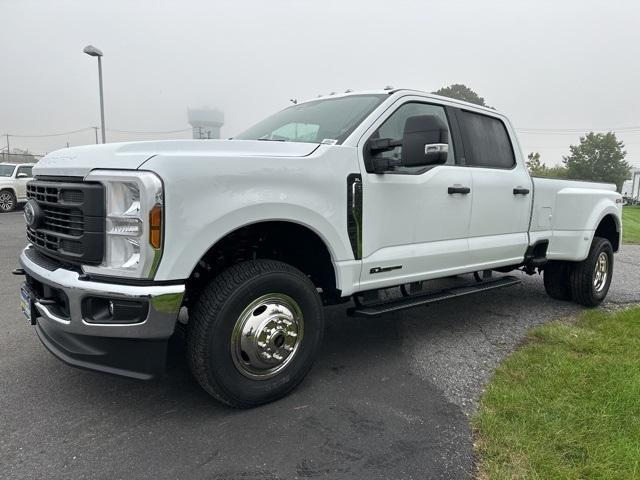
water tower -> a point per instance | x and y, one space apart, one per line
205 122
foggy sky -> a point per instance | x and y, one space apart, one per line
559 64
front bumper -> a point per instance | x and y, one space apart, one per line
135 350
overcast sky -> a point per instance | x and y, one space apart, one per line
562 64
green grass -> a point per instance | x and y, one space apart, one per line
631 225
567 404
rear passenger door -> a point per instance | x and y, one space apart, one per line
502 191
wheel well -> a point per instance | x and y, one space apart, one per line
608 228
8 189
288 242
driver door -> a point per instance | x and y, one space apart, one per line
414 227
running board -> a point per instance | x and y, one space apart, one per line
431 297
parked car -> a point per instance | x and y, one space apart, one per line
13 183
332 200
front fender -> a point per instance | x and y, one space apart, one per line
183 260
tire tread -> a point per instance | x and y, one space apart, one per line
206 313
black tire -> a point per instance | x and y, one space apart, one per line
557 281
7 201
222 304
583 275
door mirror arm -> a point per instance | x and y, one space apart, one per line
378 145
383 164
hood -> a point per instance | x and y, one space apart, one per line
79 161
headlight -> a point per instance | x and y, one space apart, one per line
133 243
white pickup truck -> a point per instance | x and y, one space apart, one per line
336 199
13 184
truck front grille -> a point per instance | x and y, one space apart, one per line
73 220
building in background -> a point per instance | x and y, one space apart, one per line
205 122
631 188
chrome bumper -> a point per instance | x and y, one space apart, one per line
123 349
164 303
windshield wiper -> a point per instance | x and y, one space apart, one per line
271 139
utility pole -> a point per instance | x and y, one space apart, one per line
96 130
8 149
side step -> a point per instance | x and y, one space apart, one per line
431 297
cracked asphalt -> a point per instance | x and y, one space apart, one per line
387 398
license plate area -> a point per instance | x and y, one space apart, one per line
26 304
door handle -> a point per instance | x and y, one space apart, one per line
458 189
520 191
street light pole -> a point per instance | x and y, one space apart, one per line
101 98
95 52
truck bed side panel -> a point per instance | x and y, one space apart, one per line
567 213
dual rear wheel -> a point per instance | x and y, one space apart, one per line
586 282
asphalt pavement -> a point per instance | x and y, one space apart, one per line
388 398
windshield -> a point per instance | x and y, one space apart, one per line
329 119
6 170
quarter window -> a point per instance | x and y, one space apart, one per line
486 141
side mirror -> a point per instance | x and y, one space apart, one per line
22 175
425 141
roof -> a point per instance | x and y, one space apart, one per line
406 91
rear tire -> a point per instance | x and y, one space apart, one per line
7 201
254 332
557 280
591 278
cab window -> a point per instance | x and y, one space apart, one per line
393 128
25 170
486 141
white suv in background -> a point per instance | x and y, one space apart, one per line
13 184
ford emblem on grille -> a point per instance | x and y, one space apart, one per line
32 213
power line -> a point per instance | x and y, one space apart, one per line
148 132
59 134
550 131
49 134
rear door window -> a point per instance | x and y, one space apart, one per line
486 141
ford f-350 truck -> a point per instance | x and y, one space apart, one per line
336 199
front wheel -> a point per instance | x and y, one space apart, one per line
254 332
591 278
7 201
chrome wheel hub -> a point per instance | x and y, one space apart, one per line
6 202
601 272
266 336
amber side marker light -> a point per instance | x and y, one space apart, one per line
155 230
